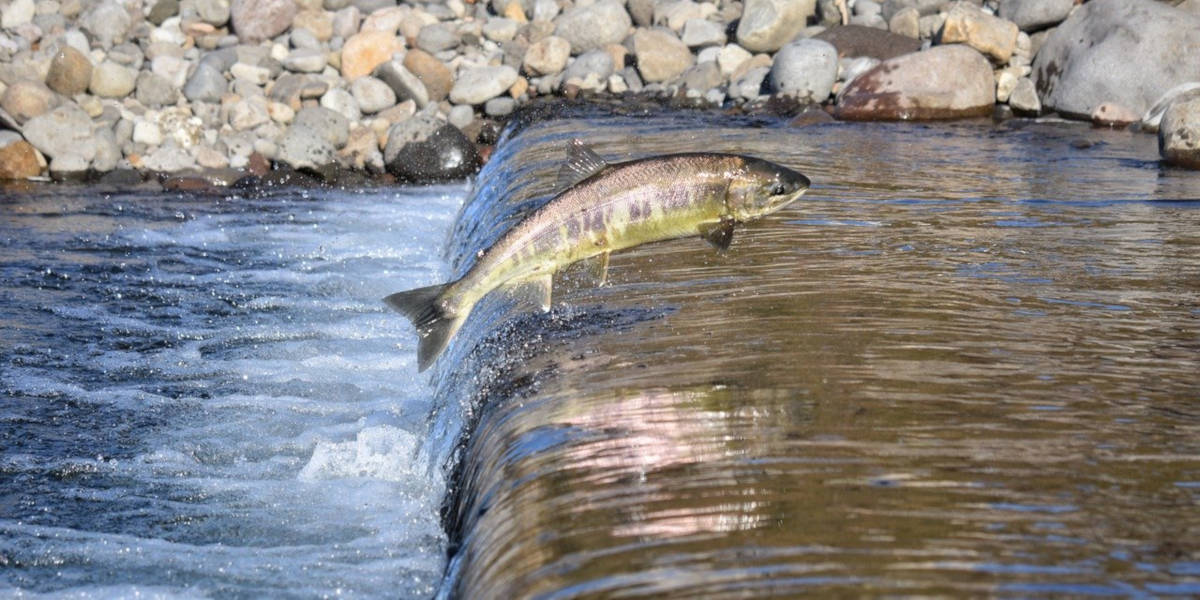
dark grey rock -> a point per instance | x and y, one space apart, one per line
220 60
806 69
206 84
403 83
1031 15
1114 51
424 149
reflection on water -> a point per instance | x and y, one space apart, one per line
965 363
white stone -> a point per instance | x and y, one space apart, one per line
254 74
19 13
174 70
731 57
147 132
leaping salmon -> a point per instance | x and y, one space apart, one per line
604 208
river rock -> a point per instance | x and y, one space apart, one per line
547 56
906 22
500 29
110 80
1179 134
889 8
207 84
660 55
590 27
107 23
437 37
424 149
306 60
748 86
213 12
19 160
403 83
366 50
766 25
171 68
590 70
25 99
856 40
70 71
702 33
328 124
943 82
806 69
64 130
990 35
1032 15
432 73
477 85
317 22
154 90
702 77
18 13
168 158
257 20
372 95
1024 99
342 102
731 57
300 147
1114 51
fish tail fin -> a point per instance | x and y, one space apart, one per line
434 325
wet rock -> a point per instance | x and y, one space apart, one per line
660 55
590 27
1112 51
70 72
477 85
366 50
18 159
25 99
110 80
207 84
64 130
547 56
153 90
372 95
702 33
424 149
435 76
1179 134
1024 99
107 23
1032 15
906 22
993 36
403 83
943 82
257 20
806 69
856 40
766 25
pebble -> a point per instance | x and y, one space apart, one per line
990 35
587 27
342 102
206 84
1024 98
70 72
590 70
906 22
436 76
154 90
372 95
257 20
766 25
19 160
364 51
404 84
306 60
26 99
107 22
547 56
19 13
660 55
702 33
476 85
438 37
111 80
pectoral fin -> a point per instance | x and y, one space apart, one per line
535 290
719 234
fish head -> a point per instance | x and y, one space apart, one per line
763 187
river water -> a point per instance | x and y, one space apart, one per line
965 363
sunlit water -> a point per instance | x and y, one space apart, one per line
205 397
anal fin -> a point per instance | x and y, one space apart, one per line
536 290
594 270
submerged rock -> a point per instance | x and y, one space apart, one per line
944 82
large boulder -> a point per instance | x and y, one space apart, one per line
944 82
1128 52
767 25
425 149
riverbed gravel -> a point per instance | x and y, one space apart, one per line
186 86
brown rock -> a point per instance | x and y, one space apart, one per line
660 55
27 99
436 76
988 34
944 82
858 40
19 160
366 50
70 72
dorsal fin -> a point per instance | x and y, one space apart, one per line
581 163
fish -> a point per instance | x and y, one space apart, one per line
601 209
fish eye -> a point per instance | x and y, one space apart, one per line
778 189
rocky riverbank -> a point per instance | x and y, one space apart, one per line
417 91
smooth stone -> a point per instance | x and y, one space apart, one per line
66 129
108 152
70 72
731 57
1024 99
206 84
674 14
423 149
499 107
249 113
1032 15
110 80
477 85
1179 133
906 22
925 7
944 82
660 55
593 26
436 77
19 160
702 33
331 125
18 13
545 10
500 29
342 102
596 64
372 95
317 23
993 36
438 37
403 83
147 132
703 77
856 40
213 12
168 158
366 50
346 22
69 167
806 69
547 56
107 22
1006 81
461 116
766 25
306 60
170 68
642 12
25 99
250 73
749 85
1129 52
154 90
257 20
